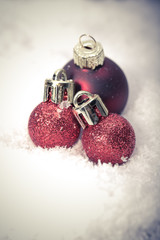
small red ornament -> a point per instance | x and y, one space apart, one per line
108 138
93 72
52 123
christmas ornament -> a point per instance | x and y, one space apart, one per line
106 137
93 72
52 123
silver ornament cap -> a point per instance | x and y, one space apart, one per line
88 53
59 87
86 108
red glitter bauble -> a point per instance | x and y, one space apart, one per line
52 125
108 81
111 140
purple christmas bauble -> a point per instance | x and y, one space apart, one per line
108 81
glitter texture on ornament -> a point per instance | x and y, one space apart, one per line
52 125
112 139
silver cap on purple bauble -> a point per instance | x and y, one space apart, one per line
88 53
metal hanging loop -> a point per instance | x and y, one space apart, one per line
60 74
76 103
93 41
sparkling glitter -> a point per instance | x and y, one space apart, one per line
111 140
49 125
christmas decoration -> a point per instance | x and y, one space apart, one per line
106 137
93 72
52 123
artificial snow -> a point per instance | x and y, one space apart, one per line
64 104
58 194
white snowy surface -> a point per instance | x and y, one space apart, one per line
59 194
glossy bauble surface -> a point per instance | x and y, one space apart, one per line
111 140
52 125
108 81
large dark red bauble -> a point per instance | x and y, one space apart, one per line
52 125
108 81
111 140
